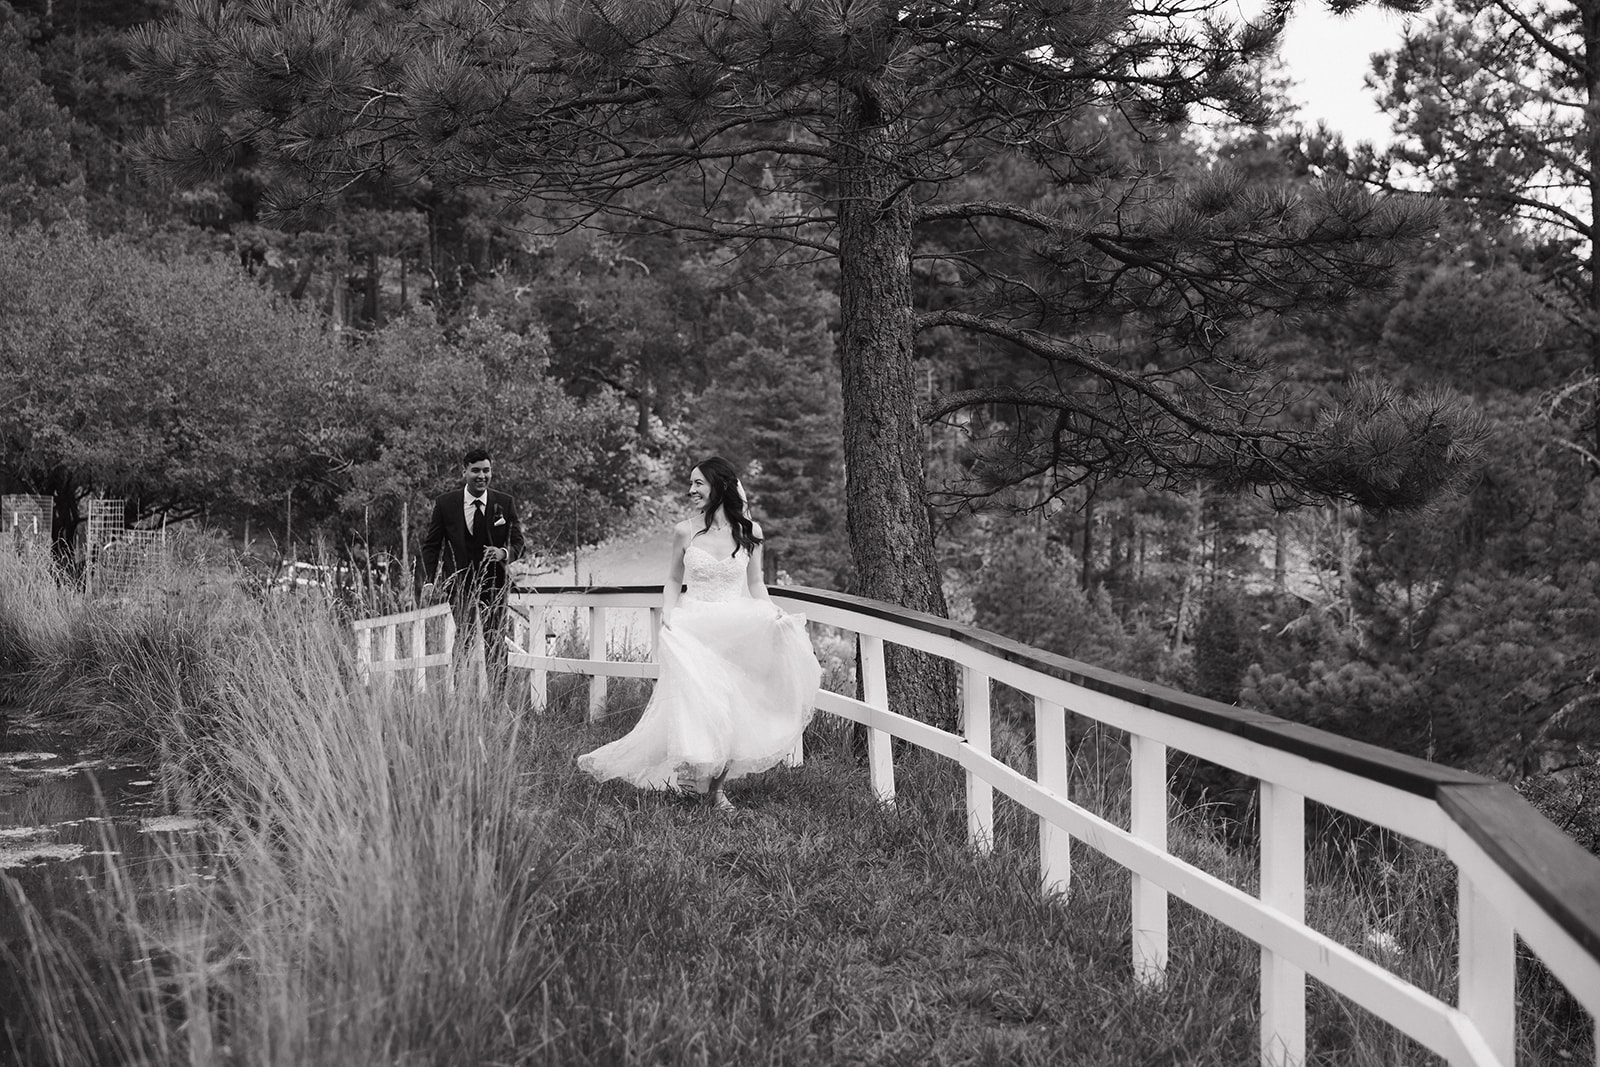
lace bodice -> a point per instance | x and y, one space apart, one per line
714 578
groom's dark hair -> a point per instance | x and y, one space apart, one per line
473 455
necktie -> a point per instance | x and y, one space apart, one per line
479 529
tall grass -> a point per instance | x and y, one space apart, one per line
393 878
37 620
125 670
372 883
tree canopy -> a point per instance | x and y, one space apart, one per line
657 231
868 124
171 380
1494 107
40 180
180 383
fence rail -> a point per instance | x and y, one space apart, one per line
1519 877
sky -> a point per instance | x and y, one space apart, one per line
1328 56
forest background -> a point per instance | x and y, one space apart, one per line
168 344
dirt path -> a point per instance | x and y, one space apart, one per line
634 558
637 557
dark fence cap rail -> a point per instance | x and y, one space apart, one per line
1546 863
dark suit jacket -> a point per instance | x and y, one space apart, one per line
447 547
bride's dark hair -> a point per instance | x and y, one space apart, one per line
722 481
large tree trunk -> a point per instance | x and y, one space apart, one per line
66 516
1591 126
887 514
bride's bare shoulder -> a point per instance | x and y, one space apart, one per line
682 532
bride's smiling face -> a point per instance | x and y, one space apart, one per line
699 489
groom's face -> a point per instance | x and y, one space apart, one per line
477 476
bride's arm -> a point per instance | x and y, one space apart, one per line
673 586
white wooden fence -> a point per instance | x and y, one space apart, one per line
1519 876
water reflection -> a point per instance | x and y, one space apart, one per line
67 822
58 801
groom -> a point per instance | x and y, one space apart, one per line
471 536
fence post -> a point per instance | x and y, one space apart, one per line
479 657
1050 757
364 654
797 754
419 649
597 651
450 650
1148 822
519 626
1283 887
1488 989
386 650
875 693
975 726
538 645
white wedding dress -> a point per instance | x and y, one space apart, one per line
738 685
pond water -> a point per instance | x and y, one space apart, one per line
65 816
57 805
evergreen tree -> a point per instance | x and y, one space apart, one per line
1477 621
774 405
40 178
1222 652
878 115
1027 588
626 315
1496 106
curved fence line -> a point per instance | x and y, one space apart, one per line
1519 877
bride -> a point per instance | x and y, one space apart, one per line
738 678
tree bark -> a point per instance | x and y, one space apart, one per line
1086 564
371 310
1591 83
891 537
1280 552
66 516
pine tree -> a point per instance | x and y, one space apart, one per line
1496 106
40 178
1221 652
774 405
878 116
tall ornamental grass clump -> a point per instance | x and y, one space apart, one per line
371 885
37 618
121 671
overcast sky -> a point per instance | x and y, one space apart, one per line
1328 57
